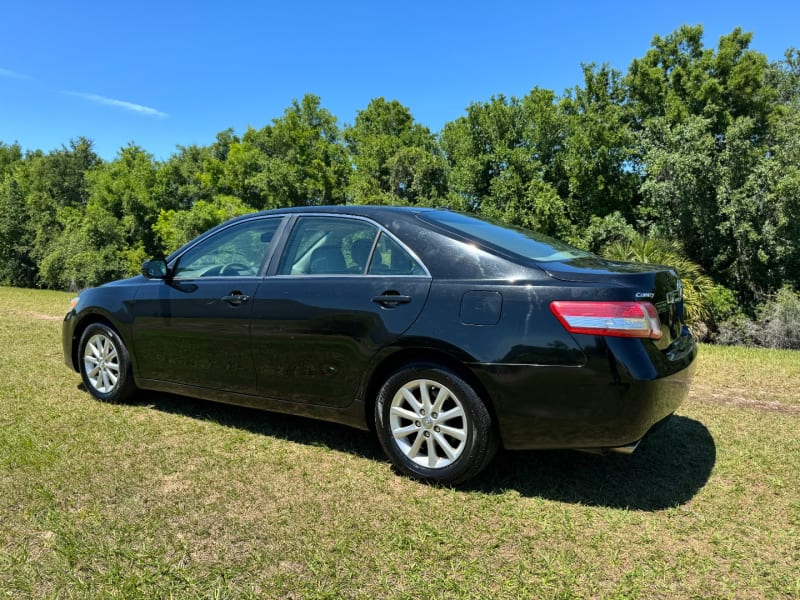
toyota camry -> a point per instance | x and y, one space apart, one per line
448 335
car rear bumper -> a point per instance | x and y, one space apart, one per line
603 405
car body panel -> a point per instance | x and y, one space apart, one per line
599 411
185 332
313 337
519 336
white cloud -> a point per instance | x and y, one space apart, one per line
12 74
138 108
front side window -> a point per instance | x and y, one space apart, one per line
237 251
328 246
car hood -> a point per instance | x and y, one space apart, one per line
135 280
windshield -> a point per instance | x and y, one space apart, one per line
515 240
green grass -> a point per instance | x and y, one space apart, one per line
174 497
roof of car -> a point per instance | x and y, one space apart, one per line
352 209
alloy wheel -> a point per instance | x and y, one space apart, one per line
101 363
428 423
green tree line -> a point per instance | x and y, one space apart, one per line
695 146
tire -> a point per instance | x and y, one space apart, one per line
105 364
433 426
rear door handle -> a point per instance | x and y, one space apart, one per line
391 300
235 298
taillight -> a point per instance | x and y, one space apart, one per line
620 319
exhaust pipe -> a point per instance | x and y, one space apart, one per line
626 449
617 450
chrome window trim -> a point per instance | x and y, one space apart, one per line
381 230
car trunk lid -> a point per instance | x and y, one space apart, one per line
645 282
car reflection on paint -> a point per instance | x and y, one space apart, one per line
448 335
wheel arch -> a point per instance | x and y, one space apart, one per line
77 334
408 356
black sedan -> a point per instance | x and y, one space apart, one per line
448 335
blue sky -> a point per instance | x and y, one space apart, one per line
163 74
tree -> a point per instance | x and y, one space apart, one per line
238 171
396 160
305 163
784 77
597 147
485 144
180 181
714 146
175 228
89 251
124 188
505 162
46 184
678 78
9 157
17 264
680 162
110 236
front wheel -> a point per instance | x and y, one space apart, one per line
433 426
105 364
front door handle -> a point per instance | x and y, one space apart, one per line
235 298
388 300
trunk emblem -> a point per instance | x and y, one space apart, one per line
675 296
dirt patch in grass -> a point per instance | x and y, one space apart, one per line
44 317
744 402
755 378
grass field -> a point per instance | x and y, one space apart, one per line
174 497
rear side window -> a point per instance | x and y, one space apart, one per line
391 259
328 246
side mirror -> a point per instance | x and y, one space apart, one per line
155 268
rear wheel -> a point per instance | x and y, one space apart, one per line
433 425
105 364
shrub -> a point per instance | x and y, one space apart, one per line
722 305
777 324
175 228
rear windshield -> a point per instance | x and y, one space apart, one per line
515 240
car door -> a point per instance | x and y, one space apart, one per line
343 289
193 328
